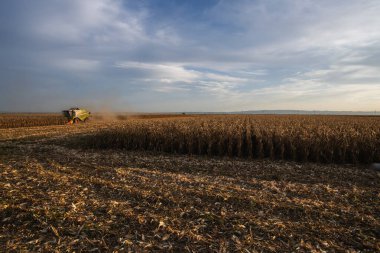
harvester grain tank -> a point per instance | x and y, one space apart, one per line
76 115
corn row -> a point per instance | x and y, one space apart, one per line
326 139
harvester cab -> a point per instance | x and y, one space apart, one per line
76 115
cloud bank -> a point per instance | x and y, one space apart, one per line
190 55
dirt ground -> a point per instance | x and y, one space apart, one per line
55 196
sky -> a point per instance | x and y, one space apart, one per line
186 56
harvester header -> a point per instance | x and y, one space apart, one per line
76 115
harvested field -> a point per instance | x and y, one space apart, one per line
57 196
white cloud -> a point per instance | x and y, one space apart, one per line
98 21
170 89
177 74
164 72
335 88
290 54
283 33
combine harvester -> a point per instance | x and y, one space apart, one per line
76 115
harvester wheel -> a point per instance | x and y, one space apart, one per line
76 121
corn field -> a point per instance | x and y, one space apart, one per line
58 195
30 120
326 139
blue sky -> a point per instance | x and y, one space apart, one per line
178 55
